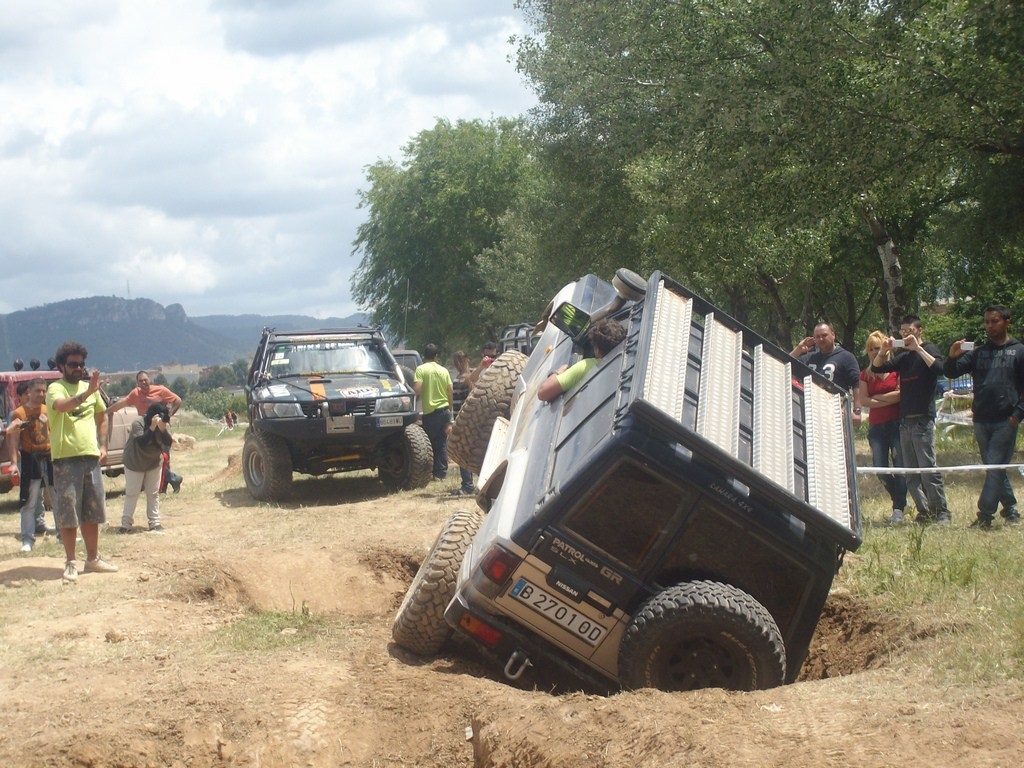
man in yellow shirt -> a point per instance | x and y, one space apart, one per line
78 438
433 385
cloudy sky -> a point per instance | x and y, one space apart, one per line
208 152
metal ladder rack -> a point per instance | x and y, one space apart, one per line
795 428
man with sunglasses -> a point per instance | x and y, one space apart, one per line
78 438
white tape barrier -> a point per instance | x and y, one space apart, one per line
941 470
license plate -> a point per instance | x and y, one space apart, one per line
389 421
561 613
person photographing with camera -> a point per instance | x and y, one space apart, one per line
140 398
997 371
149 439
919 365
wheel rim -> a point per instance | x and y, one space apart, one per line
256 470
702 662
394 459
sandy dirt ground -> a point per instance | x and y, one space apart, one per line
138 668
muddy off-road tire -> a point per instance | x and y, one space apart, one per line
419 625
702 634
266 466
490 398
406 461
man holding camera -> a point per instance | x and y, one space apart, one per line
141 398
78 439
919 365
997 367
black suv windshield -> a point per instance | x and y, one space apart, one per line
320 357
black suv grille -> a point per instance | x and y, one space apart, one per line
313 410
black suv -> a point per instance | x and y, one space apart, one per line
330 401
673 522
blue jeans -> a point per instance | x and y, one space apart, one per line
997 442
466 478
435 425
884 440
917 439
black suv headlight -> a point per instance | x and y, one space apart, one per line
280 410
394 404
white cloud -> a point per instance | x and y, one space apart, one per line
208 153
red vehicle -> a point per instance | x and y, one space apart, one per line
119 429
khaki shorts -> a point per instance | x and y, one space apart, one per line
78 495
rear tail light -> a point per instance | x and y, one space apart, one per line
485 633
498 564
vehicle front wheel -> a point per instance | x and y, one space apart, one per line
702 634
419 624
406 460
266 466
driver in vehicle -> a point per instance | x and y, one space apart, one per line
604 336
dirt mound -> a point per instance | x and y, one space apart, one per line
260 635
851 637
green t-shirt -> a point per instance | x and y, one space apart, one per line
575 373
73 433
435 381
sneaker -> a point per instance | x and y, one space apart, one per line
464 492
26 547
99 565
70 571
157 528
897 517
124 530
1011 519
982 524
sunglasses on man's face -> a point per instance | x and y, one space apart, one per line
74 364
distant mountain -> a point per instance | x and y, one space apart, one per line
133 334
246 329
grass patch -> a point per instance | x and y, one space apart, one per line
272 630
959 586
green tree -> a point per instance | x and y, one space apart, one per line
120 386
429 219
181 387
212 403
749 134
215 378
241 371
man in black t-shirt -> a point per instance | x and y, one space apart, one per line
919 366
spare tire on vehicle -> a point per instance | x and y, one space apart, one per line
490 398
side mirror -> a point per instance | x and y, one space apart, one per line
571 320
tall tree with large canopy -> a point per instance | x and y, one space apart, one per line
741 124
429 219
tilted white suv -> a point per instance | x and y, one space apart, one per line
674 522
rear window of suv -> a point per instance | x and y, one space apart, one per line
627 512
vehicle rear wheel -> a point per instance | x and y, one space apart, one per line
702 634
490 398
406 460
266 466
419 624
